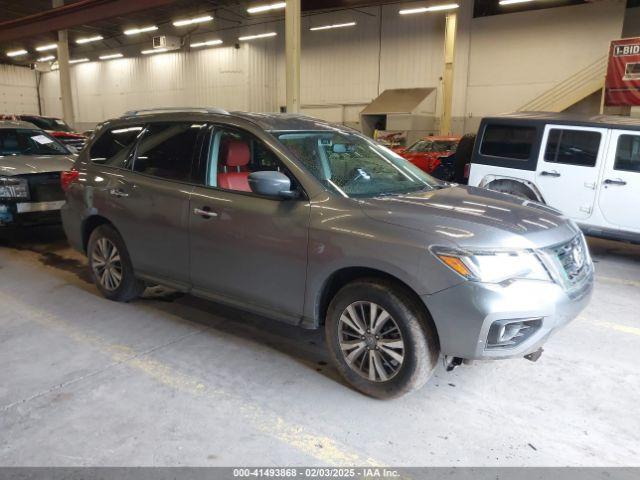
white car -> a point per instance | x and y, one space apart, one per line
588 167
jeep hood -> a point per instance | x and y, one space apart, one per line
28 164
474 217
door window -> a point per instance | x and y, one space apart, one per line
628 153
113 146
166 150
572 147
508 141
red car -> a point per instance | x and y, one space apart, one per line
426 152
55 127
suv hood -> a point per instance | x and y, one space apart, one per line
474 217
27 164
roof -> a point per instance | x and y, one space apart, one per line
286 121
397 100
17 124
605 121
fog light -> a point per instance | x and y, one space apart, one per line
510 333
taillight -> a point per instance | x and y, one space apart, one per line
68 177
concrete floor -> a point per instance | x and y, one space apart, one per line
173 380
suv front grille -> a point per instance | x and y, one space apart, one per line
572 259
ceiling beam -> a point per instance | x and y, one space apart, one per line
71 15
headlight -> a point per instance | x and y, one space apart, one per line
14 188
493 266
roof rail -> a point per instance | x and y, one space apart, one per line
150 111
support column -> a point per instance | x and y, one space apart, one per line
292 22
447 78
65 73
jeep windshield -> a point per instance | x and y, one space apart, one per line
353 165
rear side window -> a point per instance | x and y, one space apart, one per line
572 147
508 141
166 150
113 146
628 153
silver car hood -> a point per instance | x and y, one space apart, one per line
26 164
474 217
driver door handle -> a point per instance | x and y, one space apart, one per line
204 212
614 181
116 192
552 173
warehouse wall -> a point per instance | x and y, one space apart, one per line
18 92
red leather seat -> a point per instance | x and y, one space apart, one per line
235 154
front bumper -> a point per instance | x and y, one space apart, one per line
463 314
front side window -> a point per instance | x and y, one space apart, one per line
113 146
19 141
628 153
166 150
572 147
354 166
508 141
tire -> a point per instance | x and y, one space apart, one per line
513 188
462 157
407 323
121 286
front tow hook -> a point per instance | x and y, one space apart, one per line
534 356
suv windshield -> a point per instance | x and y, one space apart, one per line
48 123
17 141
354 166
433 146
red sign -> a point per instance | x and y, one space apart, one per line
622 86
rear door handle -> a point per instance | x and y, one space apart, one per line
116 192
204 212
552 173
614 181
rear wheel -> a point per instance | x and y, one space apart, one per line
111 267
381 341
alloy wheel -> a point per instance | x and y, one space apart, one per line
371 341
106 264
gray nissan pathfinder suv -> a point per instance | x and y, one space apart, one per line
316 225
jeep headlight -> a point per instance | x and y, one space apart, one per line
14 188
493 266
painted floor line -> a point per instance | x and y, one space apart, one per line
619 328
618 281
266 421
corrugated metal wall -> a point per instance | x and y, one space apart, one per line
18 92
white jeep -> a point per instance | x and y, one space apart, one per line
588 167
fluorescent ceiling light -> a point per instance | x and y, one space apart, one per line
154 50
435 8
50 46
335 25
46 59
134 31
110 56
260 35
79 60
16 53
266 8
207 43
191 21
80 41
511 2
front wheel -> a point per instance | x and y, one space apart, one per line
382 342
111 267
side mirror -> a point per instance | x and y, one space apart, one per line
271 184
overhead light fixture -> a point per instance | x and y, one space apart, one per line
207 43
335 25
191 21
81 41
79 60
260 35
110 56
46 59
43 48
16 53
511 2
268 7
134 31
434 8
154 50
